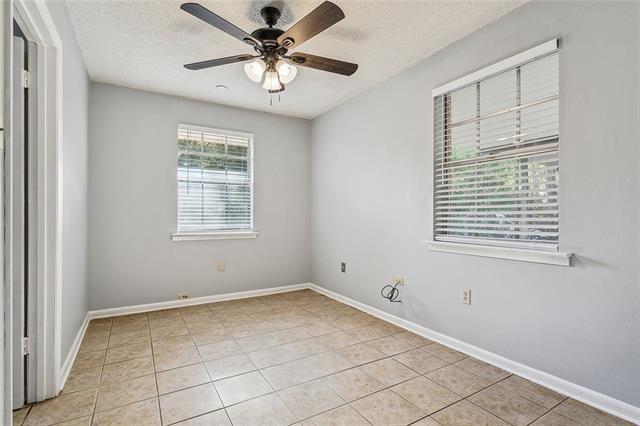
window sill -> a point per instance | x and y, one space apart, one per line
222 235
524 255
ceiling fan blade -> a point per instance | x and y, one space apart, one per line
324 64
211 18
217 62
318 20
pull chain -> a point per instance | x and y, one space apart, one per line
271 98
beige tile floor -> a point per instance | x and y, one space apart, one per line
289 358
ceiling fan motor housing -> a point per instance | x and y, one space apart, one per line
268 36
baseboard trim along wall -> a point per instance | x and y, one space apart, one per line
126 310
577 392
65 369
580 393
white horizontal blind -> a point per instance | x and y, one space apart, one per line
215 180
496 159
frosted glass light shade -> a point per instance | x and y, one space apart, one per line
255 70
286 71
271 81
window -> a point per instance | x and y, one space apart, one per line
215 181
496 157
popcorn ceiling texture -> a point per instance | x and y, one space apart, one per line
143 44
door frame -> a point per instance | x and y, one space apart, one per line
36 22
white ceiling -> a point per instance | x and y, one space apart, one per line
143 44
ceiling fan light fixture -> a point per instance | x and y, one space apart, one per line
271 66
272 81
255 70
286 71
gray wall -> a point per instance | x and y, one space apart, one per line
75 97
132 213
371 192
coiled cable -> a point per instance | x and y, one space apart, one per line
393 293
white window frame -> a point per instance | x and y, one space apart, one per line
220 234
495 251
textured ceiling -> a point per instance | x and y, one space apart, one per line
143 44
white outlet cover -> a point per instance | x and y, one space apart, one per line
466 296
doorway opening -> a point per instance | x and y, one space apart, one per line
32 199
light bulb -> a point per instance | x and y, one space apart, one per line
286 71
255 69
271 80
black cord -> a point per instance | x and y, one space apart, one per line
392 294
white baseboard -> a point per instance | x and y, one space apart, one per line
590 397
126 310
73 353
148 307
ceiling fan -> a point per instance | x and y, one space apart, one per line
272 66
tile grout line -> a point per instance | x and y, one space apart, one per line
414 348
264 378
476 405
206 370
404 381
276 392
277 395
463 398
373 393
104 361
103 364
550 409
28 407
320 319
297 359
308 356
215 389
155 372
424 375
120 381
245 352
61 394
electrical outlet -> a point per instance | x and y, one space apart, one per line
398 280
466 296
220 266
343 267
183 295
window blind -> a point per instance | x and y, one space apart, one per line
215 180
496 158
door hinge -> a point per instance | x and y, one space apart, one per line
26 345
26 80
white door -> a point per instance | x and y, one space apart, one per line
16 216
21 192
